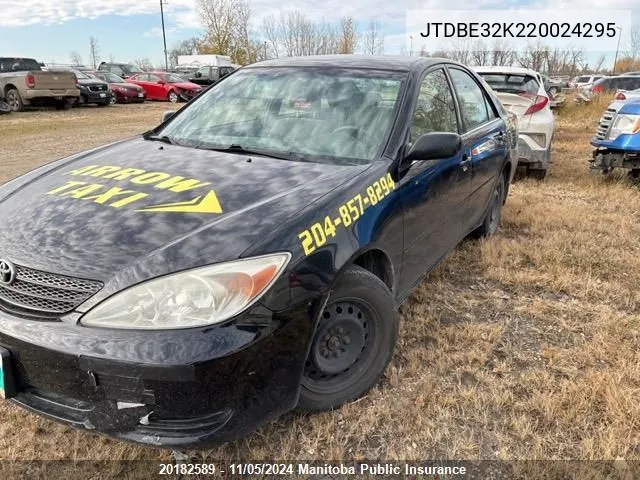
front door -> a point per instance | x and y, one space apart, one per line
485 140
434 192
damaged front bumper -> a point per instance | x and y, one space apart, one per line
179 388
605 160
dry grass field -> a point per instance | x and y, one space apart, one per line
524 346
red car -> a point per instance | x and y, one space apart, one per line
123 91
165 86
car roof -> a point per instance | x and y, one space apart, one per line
506 69
380 62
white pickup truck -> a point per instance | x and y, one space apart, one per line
23 83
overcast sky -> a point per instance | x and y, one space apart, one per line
128 29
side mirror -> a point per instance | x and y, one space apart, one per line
197 75
167 115
434 146
161 82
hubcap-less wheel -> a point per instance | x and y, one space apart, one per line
496 208
13 100
342 341
112 101
173 97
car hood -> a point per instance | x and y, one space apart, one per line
132 86
138 209
186 85
87 81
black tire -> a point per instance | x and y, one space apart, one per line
104 104
15 100
491 220
4 107
537 173
353 343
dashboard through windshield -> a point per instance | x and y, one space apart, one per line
327 115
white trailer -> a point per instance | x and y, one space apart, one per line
204 60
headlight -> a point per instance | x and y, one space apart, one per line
629 124
201 296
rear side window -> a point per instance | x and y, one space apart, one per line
435 110
18 64
583 79
631 83
471 97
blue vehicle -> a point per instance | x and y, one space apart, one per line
617 139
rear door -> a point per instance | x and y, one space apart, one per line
484 139
434 192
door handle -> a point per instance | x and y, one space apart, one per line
465 163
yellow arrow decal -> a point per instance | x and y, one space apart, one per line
207 204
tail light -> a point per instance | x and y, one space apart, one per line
621 96
30 80
539 102
597 89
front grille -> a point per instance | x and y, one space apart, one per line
36 293
98 88
605 123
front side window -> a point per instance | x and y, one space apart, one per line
471 98
435 110
329 115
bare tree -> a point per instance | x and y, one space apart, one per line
94 51
480 55
348 36
76 59
373 40
294 34
502 53
189 46
144 64
597 68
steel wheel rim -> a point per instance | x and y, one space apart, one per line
325 377
494 215
173 97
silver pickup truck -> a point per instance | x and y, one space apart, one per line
24 83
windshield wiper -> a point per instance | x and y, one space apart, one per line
236 148
161 138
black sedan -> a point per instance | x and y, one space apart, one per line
248 255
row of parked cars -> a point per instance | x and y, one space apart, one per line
26 82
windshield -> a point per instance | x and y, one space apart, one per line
511 83
111 78
319 114
79 74
131 69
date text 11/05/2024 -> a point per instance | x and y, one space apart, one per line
311 469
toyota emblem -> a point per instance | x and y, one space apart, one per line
7 272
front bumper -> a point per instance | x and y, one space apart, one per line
128 96
97 97
180 388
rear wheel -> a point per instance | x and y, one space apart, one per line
173 97
353 342
15 100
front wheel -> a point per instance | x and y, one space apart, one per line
173 97
353 342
